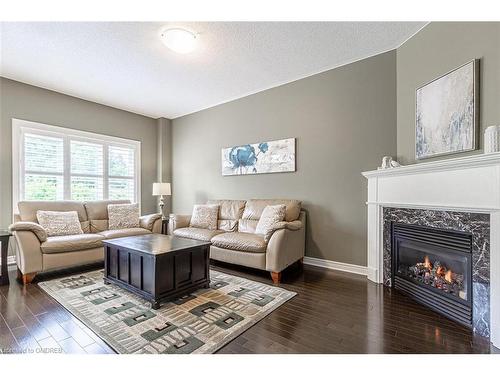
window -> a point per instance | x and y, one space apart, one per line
54 163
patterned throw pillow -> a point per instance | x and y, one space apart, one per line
58 223
205 216
122 216
270 216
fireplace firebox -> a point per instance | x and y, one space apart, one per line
434 267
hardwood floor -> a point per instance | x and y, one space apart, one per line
334 312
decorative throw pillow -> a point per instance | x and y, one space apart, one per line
269 218
205 216
122 216
58 223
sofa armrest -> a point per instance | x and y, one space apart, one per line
294 225
286 244
178 221
36 228
148 221
28 252
290 225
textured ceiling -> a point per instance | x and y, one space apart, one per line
125 65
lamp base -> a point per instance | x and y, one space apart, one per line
162 204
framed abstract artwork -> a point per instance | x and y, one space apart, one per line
264 157
446 114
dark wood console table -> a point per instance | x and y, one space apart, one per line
157 267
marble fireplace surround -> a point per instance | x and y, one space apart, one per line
461 192
476 224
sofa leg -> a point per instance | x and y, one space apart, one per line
276 276
26 278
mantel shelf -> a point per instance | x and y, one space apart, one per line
475 161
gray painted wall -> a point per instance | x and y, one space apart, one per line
18 100
344 121
164 158
435 50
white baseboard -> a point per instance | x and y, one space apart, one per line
339 266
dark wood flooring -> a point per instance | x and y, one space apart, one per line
334 312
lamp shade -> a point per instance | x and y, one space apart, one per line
161 188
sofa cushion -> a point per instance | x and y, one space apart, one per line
57 223
74 242
124 215
115 233
240 241
229 213
97 226
196 233
247 226
255 207
227 225
269 218
204 216
28 209
85 226
98 210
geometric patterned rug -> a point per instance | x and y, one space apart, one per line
201 322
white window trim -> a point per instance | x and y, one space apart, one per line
19 127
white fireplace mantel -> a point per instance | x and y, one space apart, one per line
461 184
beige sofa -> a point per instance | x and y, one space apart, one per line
235 240
36 252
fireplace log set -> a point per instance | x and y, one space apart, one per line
437 276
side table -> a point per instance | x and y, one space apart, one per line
164 226
4 273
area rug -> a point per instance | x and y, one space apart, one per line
201 322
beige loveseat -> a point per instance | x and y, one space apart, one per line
235 240
35 252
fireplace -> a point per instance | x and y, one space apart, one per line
458 194
434 267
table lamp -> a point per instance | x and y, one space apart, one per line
161 189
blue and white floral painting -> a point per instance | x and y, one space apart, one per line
264 157
445 114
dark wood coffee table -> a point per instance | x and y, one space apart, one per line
157 267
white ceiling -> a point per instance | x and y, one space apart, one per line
125 65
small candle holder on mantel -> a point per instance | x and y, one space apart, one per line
492 139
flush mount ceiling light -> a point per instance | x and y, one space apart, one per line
179 40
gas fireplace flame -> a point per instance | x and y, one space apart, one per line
437 275
440 271
448 276
427 263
